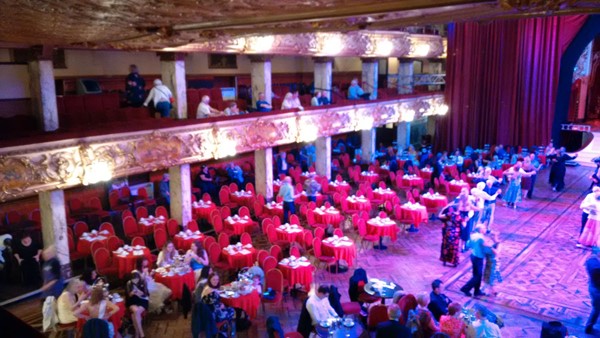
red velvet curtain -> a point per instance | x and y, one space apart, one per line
501 80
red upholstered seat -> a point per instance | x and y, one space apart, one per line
103 263
274 280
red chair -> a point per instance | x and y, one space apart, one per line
310 218
214 256
269 263
95 246
75 205
95 204
224 198
245 238
272 237
73 253
250 188
106 226
260 257
233 187
161 211
206 197
160 238
103 263
115 201
319 233
144 199
308 240
113 243
294 219
276 221
141 212
377 314
130 228
274 280
79 228
223 240
382 214
265 223
294 251
218 226
275 251
338 232
126 213
294 334
259 210
192 226
362 232
172 227
244 211
327 260
138 241
207 242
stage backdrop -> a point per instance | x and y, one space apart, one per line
501 80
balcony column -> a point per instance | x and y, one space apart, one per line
43 90
405 76
54 226
370 76
435 67
260 71
367 144
323 75
403 136
323 164
180 190
263 171
172 70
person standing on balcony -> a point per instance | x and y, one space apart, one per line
134 87
161 95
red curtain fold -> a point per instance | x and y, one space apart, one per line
501 80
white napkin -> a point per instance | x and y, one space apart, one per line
138 252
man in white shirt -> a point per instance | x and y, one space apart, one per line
161 95
318 306
205 110
483 327
481 197
315 100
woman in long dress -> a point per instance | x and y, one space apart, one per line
591 232
513 193
158 293
450 251
491 272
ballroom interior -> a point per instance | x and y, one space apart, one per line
105 181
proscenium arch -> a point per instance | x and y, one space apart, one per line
587 33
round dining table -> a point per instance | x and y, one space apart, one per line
238 259
340 248
274 209
175 281
384 194
358 203
247 302
126 257
425 173
184 240
290 232
382 289
457 186
303 198
415 212
382 227
340 331
413 181
146 225
298 272
202 209
242 197
328 216
370 177
341 187
239 225
434 201
84 244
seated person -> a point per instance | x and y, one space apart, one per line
355 92
235 173
318 306
211 297
315 101
421 319
99 307
166 256
439 301
392 328
197 258
158 293
137 300
291 101
69 300
165 189
262 105
233 110
323 100
483 327
205 110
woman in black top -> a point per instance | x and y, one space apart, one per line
28 254
137 301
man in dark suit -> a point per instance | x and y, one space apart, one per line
438 305
392 328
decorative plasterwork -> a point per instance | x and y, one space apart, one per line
27 170
362 44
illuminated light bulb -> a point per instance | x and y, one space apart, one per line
384 47
330 44
421 50
260 44
97 172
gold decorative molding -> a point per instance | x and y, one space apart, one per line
27 170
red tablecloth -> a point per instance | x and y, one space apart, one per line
240 259
183 242
242 198
146 225
176 282
239 225
274 209
115 319
413 181
84 244
434 201
289 233
276 187
340 249
126 263
417 214
384 194
457 186
451 170
328 216
203 210
248 303
358 203
304 199
341 187
369 177
382 227
426 174
299 274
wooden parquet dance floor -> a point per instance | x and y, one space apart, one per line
543 272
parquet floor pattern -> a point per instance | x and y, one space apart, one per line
544 277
